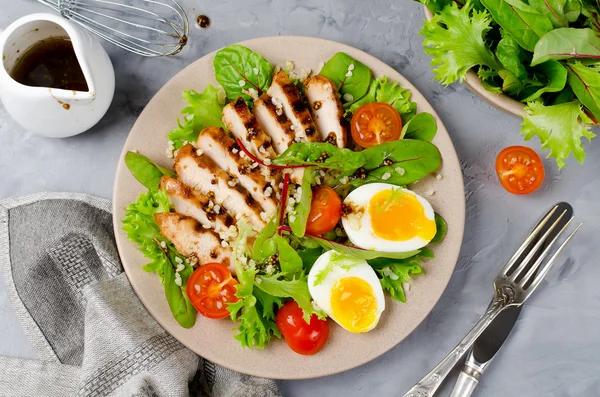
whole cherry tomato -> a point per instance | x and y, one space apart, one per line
302 337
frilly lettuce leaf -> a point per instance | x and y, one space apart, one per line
559 128
395 273
204 110
455 39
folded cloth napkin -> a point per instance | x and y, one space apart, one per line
92 334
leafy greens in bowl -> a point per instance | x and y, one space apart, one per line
543 54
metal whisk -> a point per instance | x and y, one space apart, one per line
145 27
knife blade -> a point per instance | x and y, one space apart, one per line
483 351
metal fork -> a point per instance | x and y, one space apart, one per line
512 286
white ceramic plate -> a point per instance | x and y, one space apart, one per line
213 339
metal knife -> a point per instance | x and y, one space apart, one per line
483 351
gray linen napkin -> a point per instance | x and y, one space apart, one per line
92 334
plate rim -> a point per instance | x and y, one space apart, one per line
249 370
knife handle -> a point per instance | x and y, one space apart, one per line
468 379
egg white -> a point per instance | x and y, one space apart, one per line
321 293
358 226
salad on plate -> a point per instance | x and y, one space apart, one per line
288 201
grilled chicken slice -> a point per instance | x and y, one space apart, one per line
286 95
188 202
203 174
274 123
326 107
191 238
244 126
225 152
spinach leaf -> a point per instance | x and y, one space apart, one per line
559 12
511 56
591 9
358 252
264 245
350 80
585 83
268 303
179 303
146 171
511 84
297 289
289 260
567 43
422 127
204 110
410 160
239 69
313 153
521 21
441 229
309 257
556 75
298 224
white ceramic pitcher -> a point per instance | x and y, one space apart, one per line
52 112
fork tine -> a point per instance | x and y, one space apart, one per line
526 262
540 276
532 236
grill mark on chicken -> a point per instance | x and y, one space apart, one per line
294 106
327 110
188 202
217 144
236 199
192 239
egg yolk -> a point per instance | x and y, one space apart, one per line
399 216
353 304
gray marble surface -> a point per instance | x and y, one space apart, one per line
554 350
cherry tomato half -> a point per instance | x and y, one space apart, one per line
519 169
210 288
375 123
302 337
325 210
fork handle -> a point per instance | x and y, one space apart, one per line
427 386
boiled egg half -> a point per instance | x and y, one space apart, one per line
385 217
348 291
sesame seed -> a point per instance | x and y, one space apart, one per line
348 97
406 286
163 244
430 192
217 208
321 64
438 177
289 65
262 150
178 280
133 151
242 154
292 218
180 268
400 170
386 176
267 161
199 152
255 70
242 83
351 67
279 111
224 244
234 151
178 259
197 288
206 225
349 74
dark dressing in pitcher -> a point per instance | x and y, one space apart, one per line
50 63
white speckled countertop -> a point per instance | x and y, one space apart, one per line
554 349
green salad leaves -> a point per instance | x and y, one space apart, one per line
544 53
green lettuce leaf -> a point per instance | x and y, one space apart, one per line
390 92
239 69
585 83
296 288
522 22
393 276
559 128
255 327
555 76
591 9
141 228
567 43
455 39
204 110
559 12
337 260
357 252
511 56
